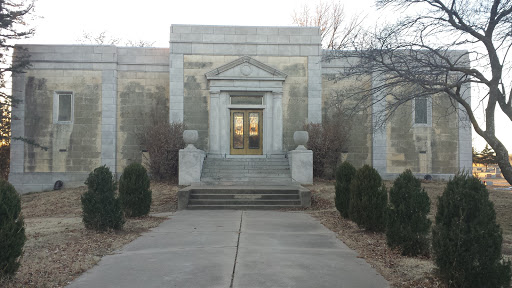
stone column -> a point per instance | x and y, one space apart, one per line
277 129
379 145
176 89
465 140
190 160
109 119
315 88
214 125
17 127
224 123
301 159
268 147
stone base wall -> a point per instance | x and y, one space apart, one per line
44 181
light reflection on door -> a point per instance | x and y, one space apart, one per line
246 132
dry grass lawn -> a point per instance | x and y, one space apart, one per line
59 248
399 270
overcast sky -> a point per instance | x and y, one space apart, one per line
65 21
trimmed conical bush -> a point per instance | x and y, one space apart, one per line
344 174
12 229
134 191
466 240
368 199
407 224
101 209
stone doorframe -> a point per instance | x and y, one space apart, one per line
245 76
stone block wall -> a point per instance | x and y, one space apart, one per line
197 49
142 98
426 149
196 92
334 90
439 147
116 91
74 146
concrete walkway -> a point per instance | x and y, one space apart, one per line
242 249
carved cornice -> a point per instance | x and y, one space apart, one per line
246 71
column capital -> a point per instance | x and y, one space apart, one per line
277 94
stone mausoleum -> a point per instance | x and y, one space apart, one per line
245 90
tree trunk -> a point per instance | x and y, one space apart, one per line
501 155
504 164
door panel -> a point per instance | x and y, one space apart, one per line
246 132
238 130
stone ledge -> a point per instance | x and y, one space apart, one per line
37 182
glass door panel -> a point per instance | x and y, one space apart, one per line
246 132
238 130
254 130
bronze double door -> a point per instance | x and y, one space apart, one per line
246 132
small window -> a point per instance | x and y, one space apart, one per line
63 107
421 110
247 100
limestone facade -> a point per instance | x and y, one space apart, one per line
118 91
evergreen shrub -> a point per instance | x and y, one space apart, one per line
466 240
12 230
368 199
344 174
407 223
134 191
101 209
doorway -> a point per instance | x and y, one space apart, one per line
246 132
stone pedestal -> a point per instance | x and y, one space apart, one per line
191 165
190 160
301 159
301 166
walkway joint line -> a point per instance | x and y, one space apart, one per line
237 246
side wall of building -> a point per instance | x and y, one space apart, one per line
334 100
116 92
438 147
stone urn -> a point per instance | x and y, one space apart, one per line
190 137
300 138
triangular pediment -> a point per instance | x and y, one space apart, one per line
245 68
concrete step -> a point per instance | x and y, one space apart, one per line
241 159
218 180
242 202
237 167
243 196
234 183
245 174
249 196
239 163
243 190
256 161
247 169
244 170
240 207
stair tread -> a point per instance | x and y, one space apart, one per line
260 171
241 207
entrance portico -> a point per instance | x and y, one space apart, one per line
245 84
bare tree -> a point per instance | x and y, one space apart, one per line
337 30
442 48
103 38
